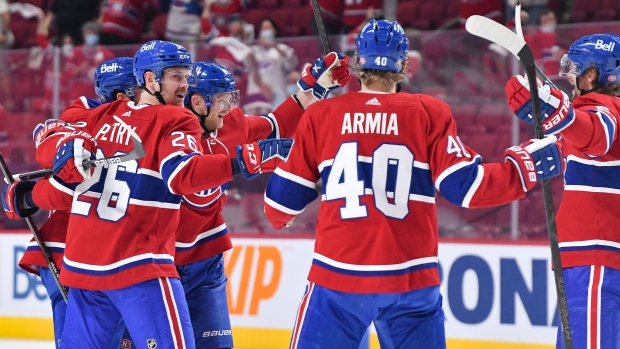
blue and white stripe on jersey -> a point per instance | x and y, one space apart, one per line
172 164
67 188
53 247
282 184
421 184
116 267
458 183
590 175
202 238
90 103
609 125
275 130
375 270
147 189
588 245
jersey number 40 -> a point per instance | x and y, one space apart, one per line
344 182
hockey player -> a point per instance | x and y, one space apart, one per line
202 235
589 214
380 155
136 203
114 80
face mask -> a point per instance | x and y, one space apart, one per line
91 39
547 28
267 34
67 50
292 89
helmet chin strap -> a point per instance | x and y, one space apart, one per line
202 118
156 94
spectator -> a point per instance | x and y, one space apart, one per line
543 40
70 15
6 36
332 16
85 59
6 41
184 21
533 8
123 20
49 78
222 12
355 13
273 62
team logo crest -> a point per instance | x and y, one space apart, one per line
125 344
362 60
151 343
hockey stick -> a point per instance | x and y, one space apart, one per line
35 232
519 30
320 26
137 153
497 33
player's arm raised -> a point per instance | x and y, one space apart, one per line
462 178
293 185
588 126
317 81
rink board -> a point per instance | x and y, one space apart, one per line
495 295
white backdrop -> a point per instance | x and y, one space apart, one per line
492 292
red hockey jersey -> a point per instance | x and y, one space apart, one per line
380 157
589 215
202 232
54 231
123 219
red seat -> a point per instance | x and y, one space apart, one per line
24 30
159 26
254 17
484 144
583 10
267 4
406 13
302 19
292 3
430 14
282 17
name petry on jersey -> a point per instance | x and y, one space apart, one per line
589 215
380 158
123 220
202 232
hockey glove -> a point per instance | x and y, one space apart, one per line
69 157
537 159
556 109
326 74
13 197
262 156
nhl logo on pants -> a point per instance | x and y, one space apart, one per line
151 343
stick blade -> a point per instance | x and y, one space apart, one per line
487 28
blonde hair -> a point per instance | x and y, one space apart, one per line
370 76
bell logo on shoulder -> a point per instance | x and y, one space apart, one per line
147 46
106 68
605 47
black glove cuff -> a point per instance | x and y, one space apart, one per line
236 170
